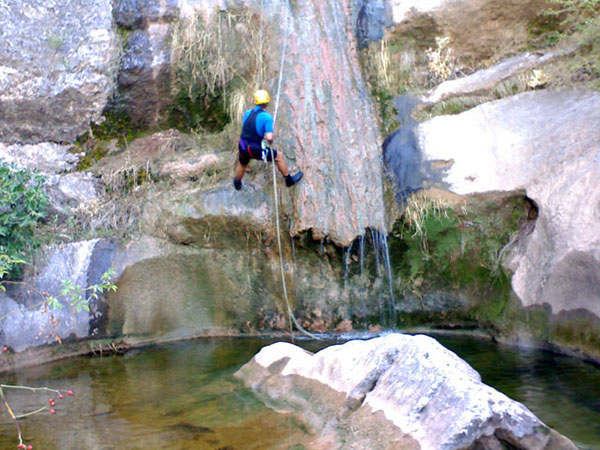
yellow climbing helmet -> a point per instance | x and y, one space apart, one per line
261 97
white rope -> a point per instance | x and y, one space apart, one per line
260 47
285 293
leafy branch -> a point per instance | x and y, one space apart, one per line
71 293
75 293
78 298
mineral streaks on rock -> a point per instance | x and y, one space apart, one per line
327 125
396 391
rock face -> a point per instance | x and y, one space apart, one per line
58 64
28 324
396 391
181 216
145 73
547 145
327 124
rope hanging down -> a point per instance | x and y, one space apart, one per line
275 194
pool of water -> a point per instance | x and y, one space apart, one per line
184 396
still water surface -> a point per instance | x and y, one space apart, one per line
184 396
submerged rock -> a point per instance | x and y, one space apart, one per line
397 391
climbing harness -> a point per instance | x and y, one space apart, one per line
275 194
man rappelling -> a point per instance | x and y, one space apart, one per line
255 141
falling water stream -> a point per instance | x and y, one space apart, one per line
184 396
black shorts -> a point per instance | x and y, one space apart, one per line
253 150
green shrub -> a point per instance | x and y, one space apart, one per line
22 205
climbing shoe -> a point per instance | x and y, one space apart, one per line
237 184
291 180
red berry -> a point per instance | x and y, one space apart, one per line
21 446
60 396
70 393
50 400
30 447
5 348
52 411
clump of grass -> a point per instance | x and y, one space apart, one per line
441 59
390 70
420 208
393 67
217 65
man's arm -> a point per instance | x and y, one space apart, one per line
269 138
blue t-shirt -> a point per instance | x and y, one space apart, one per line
264 121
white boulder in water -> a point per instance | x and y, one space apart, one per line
397 391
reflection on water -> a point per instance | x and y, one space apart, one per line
563 392
183 396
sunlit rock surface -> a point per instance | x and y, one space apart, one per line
58 62
485 80
545 144
397 391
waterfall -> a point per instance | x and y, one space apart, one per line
374 278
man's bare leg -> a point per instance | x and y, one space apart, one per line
239 174
281 164
239 170
290 179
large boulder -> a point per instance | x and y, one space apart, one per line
59 61
543 144
397 391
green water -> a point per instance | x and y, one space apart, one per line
183 396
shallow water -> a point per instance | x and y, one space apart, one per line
183 396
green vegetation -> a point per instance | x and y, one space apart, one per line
23 205
80 298
391 67
454 246
573 23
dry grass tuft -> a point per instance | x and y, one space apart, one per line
391 70
225 57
